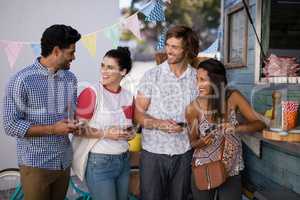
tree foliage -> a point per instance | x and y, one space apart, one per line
202 15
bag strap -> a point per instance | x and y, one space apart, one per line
222 146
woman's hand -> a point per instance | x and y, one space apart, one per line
227 128
118 133
203 141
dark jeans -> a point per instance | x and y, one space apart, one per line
230 190
165 177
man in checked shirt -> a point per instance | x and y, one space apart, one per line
35 105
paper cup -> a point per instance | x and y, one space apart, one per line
135 143
289 114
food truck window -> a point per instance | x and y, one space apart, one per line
281 27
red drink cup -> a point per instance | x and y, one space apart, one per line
289 114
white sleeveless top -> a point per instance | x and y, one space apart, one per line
112 109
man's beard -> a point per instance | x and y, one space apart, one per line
65 68
175 61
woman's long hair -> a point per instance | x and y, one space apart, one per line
217 75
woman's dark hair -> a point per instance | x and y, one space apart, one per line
58 35
189 38
217 74
122 55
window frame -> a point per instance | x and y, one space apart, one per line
239 7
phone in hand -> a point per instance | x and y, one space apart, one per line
211 128
80 123
131 129
182 124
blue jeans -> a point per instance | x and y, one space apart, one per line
107 176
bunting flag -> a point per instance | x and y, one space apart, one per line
153 11
161 40
113 33
132 23
36 49
147 9
12 50
89 41
157 14
213 48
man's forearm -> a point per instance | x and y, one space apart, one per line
147 121
42 130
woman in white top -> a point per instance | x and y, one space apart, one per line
101 153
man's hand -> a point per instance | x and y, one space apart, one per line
83 129
64 127
169 126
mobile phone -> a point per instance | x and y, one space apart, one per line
80 123
210 129
182 124
130 128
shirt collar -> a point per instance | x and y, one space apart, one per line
60 73
167 69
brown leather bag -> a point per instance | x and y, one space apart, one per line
210 175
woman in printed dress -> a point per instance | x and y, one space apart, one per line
211 118
101 152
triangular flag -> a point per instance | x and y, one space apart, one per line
12 50
157 14
113 33
89 41
213 48
161 40
36 49
132 23
147 9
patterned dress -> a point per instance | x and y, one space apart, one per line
232 155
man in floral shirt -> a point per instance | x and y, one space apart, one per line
163 94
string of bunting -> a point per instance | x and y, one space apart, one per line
153 11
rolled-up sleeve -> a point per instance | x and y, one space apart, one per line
14 109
